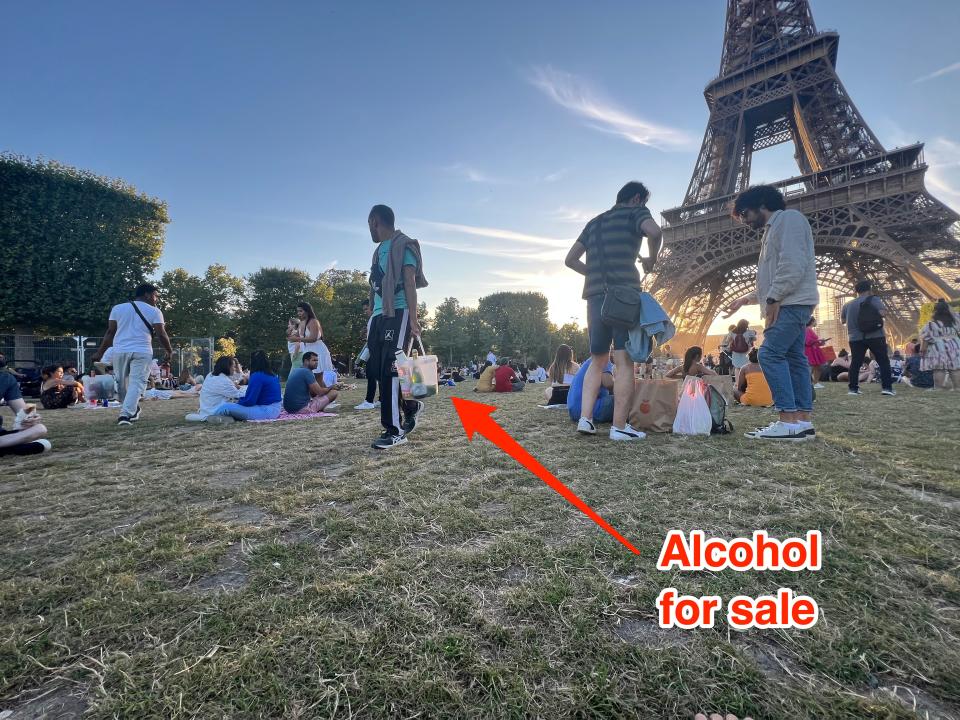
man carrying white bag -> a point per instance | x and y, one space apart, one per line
395 275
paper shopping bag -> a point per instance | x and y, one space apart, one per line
654 405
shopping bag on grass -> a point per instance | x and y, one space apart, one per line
693 413
654 405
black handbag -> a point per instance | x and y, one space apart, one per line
621 303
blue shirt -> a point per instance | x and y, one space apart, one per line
400 297
263 389
575 395
296 394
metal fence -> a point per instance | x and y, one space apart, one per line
36 351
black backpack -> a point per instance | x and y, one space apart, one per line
869 318
718 411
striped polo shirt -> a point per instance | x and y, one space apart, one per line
618 229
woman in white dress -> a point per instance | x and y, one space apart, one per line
310 336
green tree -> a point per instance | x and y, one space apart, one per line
576 337
71 245
478 335
448 336
520 324
338 297
201 306
272 296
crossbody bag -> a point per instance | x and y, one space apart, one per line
145 321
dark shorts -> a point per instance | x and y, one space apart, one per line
601 335
9 387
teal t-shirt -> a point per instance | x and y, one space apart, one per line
399 298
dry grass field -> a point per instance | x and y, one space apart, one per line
173 570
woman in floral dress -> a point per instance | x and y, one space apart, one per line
940 346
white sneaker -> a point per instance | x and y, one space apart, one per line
331 406
779 431
891 393
818 386
366 406
628 433
586 427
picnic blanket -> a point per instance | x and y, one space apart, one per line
284 415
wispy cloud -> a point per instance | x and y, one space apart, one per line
580 216
939 73
575 94
497 233
501 251
474 175
555 176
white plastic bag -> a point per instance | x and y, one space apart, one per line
693 413
418 374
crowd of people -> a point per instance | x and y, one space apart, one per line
782 371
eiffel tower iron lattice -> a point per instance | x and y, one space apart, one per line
871 214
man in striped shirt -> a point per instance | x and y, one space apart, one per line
612 242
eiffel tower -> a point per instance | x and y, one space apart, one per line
871 214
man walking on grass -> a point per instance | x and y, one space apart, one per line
395 275
787 289
864 319
612 244
130 332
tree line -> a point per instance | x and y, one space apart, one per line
253 312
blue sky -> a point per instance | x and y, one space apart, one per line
494 129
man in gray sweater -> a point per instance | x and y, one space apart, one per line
787 290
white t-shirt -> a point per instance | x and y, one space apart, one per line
491 358
216 389
132 335
539 375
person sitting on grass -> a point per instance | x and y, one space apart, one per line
57 393
23 413
561 371
603 407
30 439
865 371
691 365
304 393
840 364
216 389
916 377
485 383
506 378
752 388
263 399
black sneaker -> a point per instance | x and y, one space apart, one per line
388 440
123 420
409 423
136 415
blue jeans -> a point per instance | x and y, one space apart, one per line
252 412
783 361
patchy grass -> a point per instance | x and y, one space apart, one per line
288 570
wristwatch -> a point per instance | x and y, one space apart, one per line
771 301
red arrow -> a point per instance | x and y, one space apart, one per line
476 419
